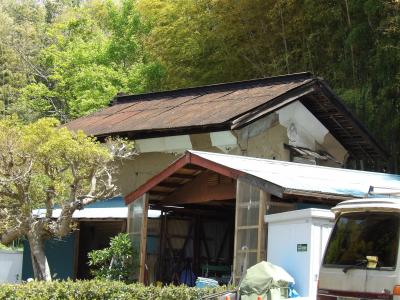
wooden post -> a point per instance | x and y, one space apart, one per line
234 275
143 238
264 198
76 250
251 203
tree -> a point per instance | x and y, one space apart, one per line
21 40
94 51
116 262
355 45
45 166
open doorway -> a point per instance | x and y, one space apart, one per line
191 241
212 223
94 235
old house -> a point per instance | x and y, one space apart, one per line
293 118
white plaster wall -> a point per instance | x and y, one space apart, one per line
11 266
135 172
293 124
171 144
303 129
264 138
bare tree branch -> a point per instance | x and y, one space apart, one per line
35 69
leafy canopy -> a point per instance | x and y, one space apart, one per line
86 55
43 166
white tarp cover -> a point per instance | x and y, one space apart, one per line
262 279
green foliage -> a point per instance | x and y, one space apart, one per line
43 165
42 159
117 262
85 55
355 45
69 58
97 290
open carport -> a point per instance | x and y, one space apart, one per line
213 205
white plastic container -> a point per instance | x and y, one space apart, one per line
296 242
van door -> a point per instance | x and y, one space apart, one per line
338 283
357 240
382 277
380 282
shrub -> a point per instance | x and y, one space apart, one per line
117 262
99 290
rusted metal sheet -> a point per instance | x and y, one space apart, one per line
188 107
229 106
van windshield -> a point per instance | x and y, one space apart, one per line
357 235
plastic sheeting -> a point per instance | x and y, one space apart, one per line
266 280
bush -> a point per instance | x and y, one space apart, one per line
117 262
98 290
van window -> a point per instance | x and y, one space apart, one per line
357 235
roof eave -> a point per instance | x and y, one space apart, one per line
186 159
273 105
363 130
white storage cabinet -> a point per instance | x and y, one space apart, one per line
296 242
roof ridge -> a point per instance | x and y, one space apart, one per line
214 87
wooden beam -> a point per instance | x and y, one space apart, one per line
158 178
266 186
193 168
264 199
315 195
76 250
235 242
211 214
187 238
204 239
199 191
169 185
173 172
159 193
182 176
217 168
273 105
223 242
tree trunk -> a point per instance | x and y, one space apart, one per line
351 44
40 265
284 39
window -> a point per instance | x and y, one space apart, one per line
357 235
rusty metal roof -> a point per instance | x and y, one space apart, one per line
187 108
229 106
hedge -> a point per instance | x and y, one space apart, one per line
100 289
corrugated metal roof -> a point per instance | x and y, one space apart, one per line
280 178
308 178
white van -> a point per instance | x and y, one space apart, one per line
361 260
